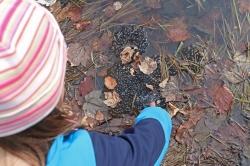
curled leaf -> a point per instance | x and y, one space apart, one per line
112 99
132 71
127 54
150 87
110 82
148 66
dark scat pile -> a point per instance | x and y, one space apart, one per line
129 35
133 90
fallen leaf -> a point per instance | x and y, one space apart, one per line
150 87
74 13
78 54
110 82
126 55
244 6
82 25
173 110
112 99
86 86
93 103
148 66
177 31
117 5
155 4
132 71
89 122
194 117
137 59
99 116
164 83
222 97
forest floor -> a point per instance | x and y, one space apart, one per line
191 57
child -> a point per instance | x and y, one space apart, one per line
32 69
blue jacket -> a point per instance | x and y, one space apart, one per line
145 144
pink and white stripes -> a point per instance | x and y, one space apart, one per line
32 64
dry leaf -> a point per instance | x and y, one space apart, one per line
78 54
74 13
148 66
112 99
82 25
99 116
173 110
110 82
86 86
132 71
164 83
150 87
117 5
195 116
89 122
93 103
126 55
222 97
177 31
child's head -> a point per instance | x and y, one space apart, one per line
32 65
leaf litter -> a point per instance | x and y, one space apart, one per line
199 84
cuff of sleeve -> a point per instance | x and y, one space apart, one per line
162 116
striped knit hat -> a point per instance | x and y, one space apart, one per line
32 64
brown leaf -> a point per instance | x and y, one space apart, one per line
89 122
74 13
221 96
148 66
173 110
177 31
195 116
112 99
126 55
155 4
244 6
99 116
110 82
70 11
82 25
86 86
78 54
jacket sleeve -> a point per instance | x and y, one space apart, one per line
144 144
